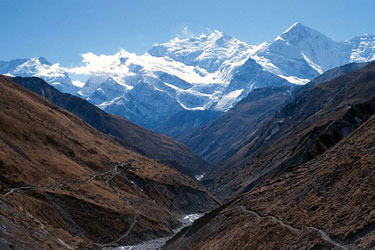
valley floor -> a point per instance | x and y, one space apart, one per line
186 221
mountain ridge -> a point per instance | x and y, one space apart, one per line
304 128
325 203
220 138
207 72
64 183
130 135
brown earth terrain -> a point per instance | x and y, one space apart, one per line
306 127
300 178
325 203
224 136
63 184
130 135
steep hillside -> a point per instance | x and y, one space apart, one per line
305 128
186 120
326 203
130 135
64 184
220 139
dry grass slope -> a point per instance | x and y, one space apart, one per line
60 187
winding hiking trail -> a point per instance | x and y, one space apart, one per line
80 182
274 219
323 234
60 185
122 236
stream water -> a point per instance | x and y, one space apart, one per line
186 220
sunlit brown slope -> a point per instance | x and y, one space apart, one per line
130 135
326 203
64 184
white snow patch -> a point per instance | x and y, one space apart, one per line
78 83
295 80
312 64
200 177
227 101
105 104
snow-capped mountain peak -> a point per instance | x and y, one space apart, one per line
205 51
41 60
300 53
302 36
206 72
297 28
39 67
363 48
35 64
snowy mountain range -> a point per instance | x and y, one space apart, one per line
39 67
208 72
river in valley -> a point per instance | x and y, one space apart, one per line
186 220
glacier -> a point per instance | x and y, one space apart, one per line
207 72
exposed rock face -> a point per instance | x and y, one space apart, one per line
130 135
306 127
64 184
326 203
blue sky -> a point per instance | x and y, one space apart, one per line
61 30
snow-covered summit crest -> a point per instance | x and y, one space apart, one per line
295 27
197 72
207 51
299 32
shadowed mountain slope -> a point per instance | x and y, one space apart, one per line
306 127
220 139
326 203
186 120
